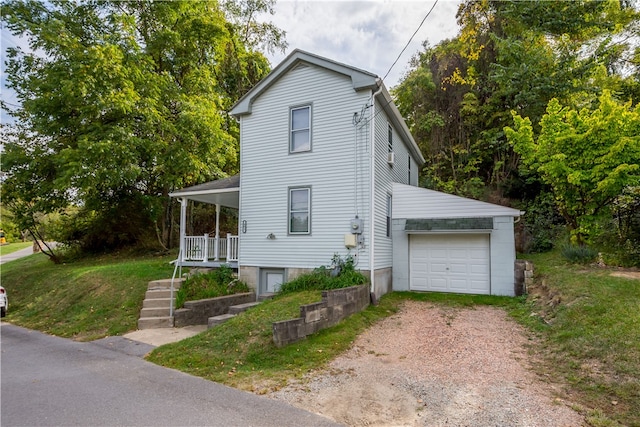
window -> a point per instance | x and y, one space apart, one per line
390 139
388 215
300 131
299 210
409 168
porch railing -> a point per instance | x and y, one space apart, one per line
205 248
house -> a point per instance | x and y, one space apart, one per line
328 166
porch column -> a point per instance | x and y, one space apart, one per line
183 227
216 247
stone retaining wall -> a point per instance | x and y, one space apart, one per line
336 304
198 312
523 276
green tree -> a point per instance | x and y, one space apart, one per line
588 157
509 55
122 102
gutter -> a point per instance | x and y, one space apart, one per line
372 205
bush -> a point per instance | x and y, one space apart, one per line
341 274
578 254
219 282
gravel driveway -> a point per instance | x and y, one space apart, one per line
430 365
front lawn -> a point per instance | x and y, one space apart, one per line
83 300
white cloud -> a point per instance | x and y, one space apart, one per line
364 34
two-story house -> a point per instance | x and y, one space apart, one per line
328 166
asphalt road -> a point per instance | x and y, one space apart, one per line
50 381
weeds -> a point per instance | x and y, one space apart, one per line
341 274
220 282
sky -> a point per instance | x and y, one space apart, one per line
365 34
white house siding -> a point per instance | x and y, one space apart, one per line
268 171
385 176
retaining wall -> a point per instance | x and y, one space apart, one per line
198 312
336 304
523 276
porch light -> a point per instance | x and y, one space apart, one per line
271 236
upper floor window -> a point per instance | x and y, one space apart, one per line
390 139
299 210
300 129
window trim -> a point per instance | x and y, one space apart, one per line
390 137
290 211
291 130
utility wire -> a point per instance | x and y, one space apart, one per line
412 36
368 120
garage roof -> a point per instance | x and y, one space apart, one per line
415 202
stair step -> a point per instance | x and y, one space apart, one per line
164 284
157 303
263 297
217 320
155 322
159 293
155 312
237 309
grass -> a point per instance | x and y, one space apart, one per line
592 337
14 247
83 300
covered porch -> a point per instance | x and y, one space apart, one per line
206 250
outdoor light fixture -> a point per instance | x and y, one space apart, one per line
271 236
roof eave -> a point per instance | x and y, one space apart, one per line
360 79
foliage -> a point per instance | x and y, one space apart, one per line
587 157
341 274
578 254
542 224
222 281
509 55
85 299
122 102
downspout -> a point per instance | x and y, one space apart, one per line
372 205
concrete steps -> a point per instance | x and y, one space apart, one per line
233 311
156 306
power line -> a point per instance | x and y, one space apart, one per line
412 36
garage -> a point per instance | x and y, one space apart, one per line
450 263
447 243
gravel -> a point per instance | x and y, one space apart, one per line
430 365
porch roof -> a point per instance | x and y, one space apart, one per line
225 192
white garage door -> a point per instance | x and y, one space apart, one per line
450 263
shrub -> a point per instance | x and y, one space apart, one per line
219 282
578 254
341 274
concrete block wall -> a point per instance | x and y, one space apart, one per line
336 305
198 312
523 276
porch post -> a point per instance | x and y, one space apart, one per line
183 228
216 246
205 252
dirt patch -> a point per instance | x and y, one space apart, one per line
434 366
627 274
